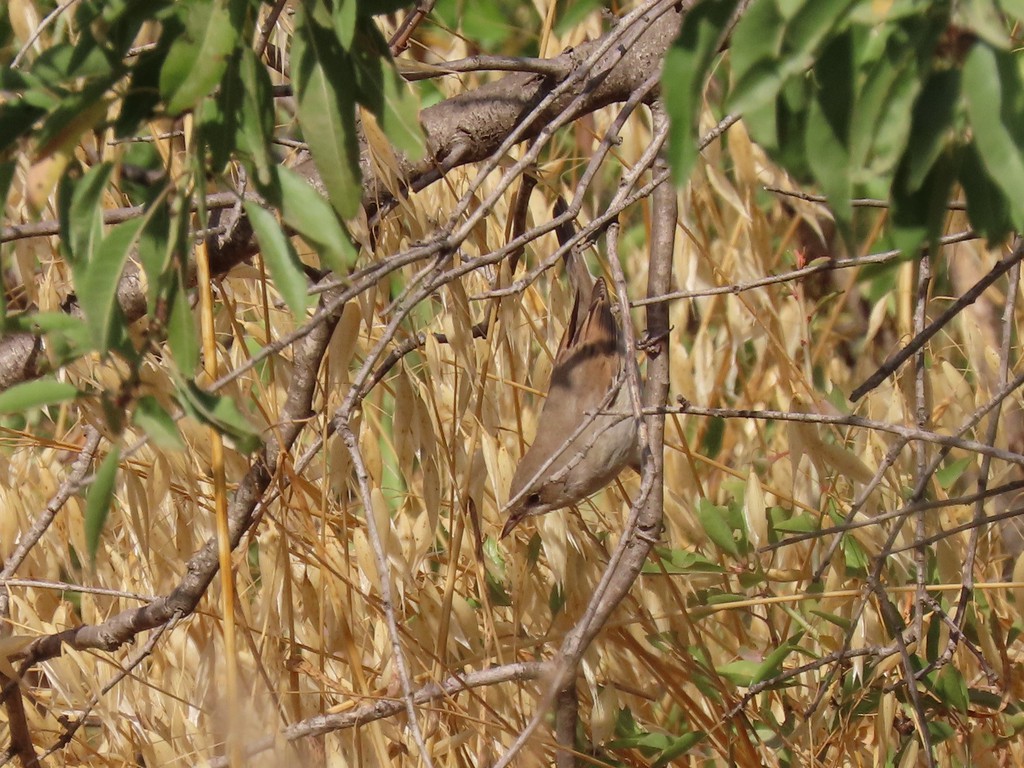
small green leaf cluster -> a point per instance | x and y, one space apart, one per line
112 71
902 100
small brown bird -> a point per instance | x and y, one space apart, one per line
588 367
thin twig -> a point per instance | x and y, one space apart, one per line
110 216
42 522
400 40
71 729
389 707
553 68
857 202
984 470
825 265
922 415
968 298
909 433
47 20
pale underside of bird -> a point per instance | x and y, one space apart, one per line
587 432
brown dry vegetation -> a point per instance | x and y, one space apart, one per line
440 436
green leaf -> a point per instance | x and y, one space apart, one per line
157 423
932 125
780 45
678 747
323 77
280 258
142 95
646 742
256 121
711 443
713 520
884 82
16 119
828 128
308 213
831 618
382 90
949 474
35 394
742 672
204 36
344 17
219 117
856 558
754 53
684 75
772 663
995 106
919 216
987 206
97 504
181 327
802 522
6 176
97 286
155 250
813 23
220 412
951 688
680 561
81 218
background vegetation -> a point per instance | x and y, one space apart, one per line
260 408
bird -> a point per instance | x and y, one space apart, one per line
588 371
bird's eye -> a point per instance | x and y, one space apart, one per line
533 499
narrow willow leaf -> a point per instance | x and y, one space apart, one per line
828 129
323 78
204 36
401 121
97 287
157 423
773 662
142 95
219 116
932 125
987 206
308 213
280 258
181 328
919 216
683 78
256 119
995 106
97 504
82 213
742 672
220 412
34 394
712 519
680 745
754 55
16 120
344 18
382 90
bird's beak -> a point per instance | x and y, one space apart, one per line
515 517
